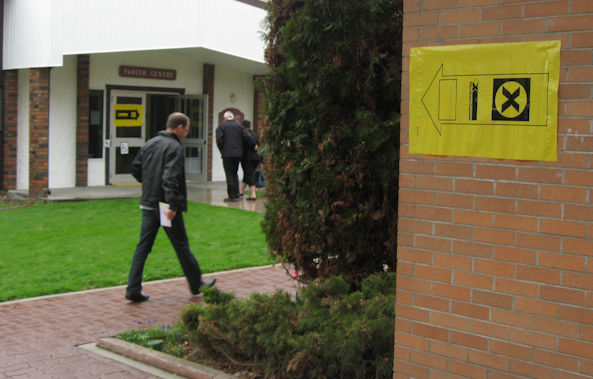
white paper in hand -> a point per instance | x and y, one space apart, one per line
163 207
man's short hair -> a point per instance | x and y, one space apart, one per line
229 115
247 124
176 119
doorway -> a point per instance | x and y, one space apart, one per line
137 116
128 133
196 142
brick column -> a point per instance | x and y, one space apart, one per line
82 121
38 131
11 85
208 89
258 105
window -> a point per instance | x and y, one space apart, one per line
96 124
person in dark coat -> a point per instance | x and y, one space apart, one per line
160 167
230 136
249 161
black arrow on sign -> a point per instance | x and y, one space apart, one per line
127 115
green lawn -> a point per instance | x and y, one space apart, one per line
56 248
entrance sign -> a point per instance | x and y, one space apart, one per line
147 73
488 100
127 115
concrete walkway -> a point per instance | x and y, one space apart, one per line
40 337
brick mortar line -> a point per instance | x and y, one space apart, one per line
494 213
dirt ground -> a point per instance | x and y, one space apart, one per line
7 203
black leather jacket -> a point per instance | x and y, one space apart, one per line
230 136
160 167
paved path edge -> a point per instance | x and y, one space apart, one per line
160 360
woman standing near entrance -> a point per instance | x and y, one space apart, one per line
249 161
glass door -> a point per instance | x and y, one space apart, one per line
196 142
127 133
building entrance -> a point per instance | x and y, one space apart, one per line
137 116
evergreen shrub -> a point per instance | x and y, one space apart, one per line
327 331
331 135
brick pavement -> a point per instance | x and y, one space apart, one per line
39 337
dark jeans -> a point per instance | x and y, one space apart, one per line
178 237
231 166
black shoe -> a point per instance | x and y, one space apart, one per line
137 298
240 195
231 199
209 282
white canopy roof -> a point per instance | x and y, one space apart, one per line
38 33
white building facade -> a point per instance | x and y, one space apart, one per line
87 83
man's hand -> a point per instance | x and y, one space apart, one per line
170 214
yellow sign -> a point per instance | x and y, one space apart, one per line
489 100
127 115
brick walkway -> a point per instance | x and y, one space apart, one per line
39 337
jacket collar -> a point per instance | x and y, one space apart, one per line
169 134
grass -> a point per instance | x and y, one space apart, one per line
56 248
169 339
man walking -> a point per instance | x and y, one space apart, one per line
160 167
230 136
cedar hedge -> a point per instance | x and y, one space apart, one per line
331 135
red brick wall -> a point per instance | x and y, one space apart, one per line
495 257
208 89
11 83
82 121
258 106
38 131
